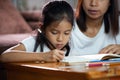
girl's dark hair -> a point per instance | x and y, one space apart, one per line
54 11
110 18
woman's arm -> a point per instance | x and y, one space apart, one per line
19 54
111 49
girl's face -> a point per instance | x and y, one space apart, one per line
95 9
59 34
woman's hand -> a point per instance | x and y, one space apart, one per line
54 55
111 49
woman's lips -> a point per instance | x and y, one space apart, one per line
93 12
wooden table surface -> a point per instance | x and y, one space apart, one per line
59 71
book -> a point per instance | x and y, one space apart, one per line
90 58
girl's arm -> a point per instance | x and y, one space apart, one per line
19 54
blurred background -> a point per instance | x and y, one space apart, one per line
31 5
20 19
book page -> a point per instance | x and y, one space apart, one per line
110 56
88 58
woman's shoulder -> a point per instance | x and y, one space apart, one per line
75 27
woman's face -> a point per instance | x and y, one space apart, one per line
59 33
95 9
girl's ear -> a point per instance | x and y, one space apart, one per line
43 32
42 29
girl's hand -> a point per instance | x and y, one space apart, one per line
54 55
111 49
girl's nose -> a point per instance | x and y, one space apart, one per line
60 38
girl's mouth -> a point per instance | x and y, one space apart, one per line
59 46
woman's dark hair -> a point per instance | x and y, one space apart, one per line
110 18
54 11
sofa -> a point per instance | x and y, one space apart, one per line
33 18
14 25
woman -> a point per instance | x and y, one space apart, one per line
51 44
96 28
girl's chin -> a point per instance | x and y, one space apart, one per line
59 48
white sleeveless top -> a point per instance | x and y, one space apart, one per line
29 44
82 44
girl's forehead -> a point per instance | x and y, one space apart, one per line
64 24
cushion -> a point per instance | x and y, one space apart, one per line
32 15
9 40
10 19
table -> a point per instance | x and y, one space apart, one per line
59 71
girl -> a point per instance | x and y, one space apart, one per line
51 44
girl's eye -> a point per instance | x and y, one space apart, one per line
67 33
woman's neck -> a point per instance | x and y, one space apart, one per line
93 27
94 23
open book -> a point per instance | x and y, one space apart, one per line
88 58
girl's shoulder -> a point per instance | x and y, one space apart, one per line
30 38
29 43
